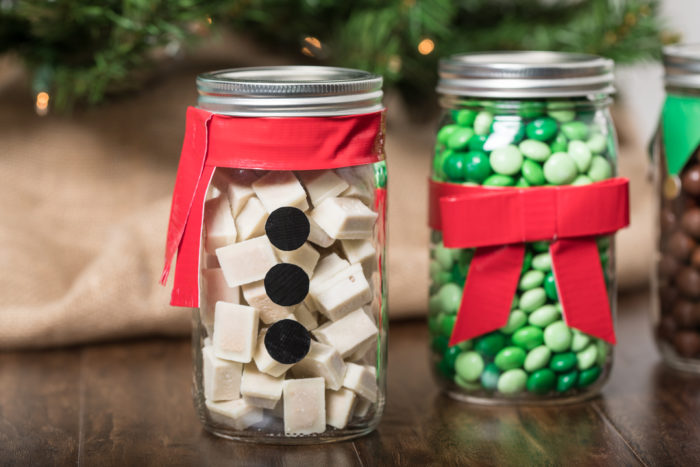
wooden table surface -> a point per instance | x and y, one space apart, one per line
128 404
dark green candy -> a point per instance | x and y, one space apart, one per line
465 117
560 143
588 377
532 172
528 337
550 287
532 109
440 344
527 261
459 273
563 362
453 166
489 377
434 324
476 143
490 344
380 174
439 162
477 167
541 381
567 381
445 133
447 364
447 323
541 246
522 183
541 129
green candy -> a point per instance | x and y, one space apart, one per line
469 366
453 166
516 320
560 143
477 166
437 274
449 296
507 130
567 381
543 316
459 138
537 358
490 344
482 122
443 256
509 358
466 345
561 111
540 246
439 344
587 357
541 129
527 261
445 133
560 169
563 362
439 161
530 280
477 142
521 183
499 180
506 160
465 117
582 180
532 299
512 381
541 381
465 384
557 336
447 323
450 357
532 109
535 150
434 324
600 169
533 173
596 143
490 376
550 287
581 154
588 377
579 341
528 337
603 349
542 262
380 174
575 130
603 242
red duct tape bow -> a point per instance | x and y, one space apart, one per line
498 222
291 143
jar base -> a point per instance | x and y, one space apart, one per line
478 400
673 360
262 437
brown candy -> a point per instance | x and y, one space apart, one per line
695 258
687 343
686 314
668 294
690 221
668 221
669 266
691 181
680 245
688 280
667 327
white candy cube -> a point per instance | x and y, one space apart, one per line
361 407
358 251
360 180
216 289
361 380
256 296
324 361
247 261
221 378
348 334
235 331
322 184
305 257
218 224
342 293
345 218
259 389
250 221
339 406
306 317
304 406
265 362
318 236
239 189
278 189
327 267
238 413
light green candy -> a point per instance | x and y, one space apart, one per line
535 150
602 352
512 381
543 316
557 336
469 366
506 160
561 111
600 169
438 274
581 154
516 320
531 279
443 256
587 357
579 341
537 358
542 262
596 143
582 180
449 297
560 169
575 130
514 303
482 123
533 299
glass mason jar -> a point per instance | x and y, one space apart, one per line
289 335
676 154
517 121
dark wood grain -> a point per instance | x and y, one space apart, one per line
130 404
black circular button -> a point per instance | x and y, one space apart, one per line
287 341
287 228
286 284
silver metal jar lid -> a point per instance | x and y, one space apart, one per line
682 65
525 75
290 91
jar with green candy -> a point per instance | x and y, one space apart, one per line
517 121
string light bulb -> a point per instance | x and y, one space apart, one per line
311 46
426 46
42 103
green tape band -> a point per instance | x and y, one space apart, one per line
681 130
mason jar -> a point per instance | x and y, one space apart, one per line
279 212
676 160
524 202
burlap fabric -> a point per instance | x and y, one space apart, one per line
85 202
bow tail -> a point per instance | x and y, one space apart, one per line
581 287
488 292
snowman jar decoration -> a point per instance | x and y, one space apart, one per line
278 221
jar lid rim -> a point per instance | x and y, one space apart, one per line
682 65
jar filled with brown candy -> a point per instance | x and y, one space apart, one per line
676 277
